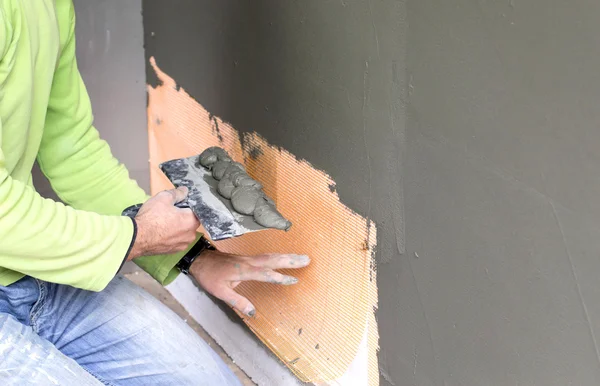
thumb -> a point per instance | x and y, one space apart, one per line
179 194
239 302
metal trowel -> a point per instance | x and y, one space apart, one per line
215 213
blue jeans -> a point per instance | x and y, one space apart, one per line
53 334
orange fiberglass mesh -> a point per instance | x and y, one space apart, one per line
315 327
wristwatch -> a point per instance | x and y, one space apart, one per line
186 261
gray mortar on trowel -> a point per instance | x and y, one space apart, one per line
244 192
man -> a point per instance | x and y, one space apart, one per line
64 316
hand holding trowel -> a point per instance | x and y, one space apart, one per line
228 203
224 198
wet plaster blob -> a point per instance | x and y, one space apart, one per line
225 187
317 326
244 198
264 213
243 190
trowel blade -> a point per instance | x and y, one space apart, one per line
215 212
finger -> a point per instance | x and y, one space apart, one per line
238 302
269 276
279 260
180 194
173 196
190 217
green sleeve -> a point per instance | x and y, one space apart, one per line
56 243
86 176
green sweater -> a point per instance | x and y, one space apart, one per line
45 112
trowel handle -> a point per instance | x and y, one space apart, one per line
133 210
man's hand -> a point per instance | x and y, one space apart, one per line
162 228
219 273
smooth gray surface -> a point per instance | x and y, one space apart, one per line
502 191
110 55
480 120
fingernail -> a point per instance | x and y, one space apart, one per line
291 280
250 310
303 259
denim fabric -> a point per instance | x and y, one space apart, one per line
54 334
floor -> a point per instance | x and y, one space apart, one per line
141 278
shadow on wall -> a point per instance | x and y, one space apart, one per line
229 52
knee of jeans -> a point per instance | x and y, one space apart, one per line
18 343
8 330
162 323
174 344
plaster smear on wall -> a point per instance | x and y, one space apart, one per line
315 327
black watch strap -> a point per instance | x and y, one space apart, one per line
186 261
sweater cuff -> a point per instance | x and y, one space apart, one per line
130 245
